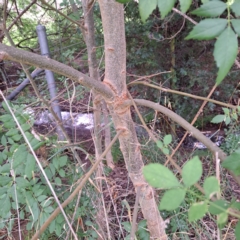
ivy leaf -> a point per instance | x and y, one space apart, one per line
207 29
211 9
236 25
146 7
218 119
232 163
237 230
165 6
192 171
197 211
172 199
211 186
184 5
236 7
160 176
225 52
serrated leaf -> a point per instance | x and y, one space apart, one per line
197 211
218 119
236 7
30 166
237 231
225 52
146 7
236 25
207 29
185 5
172 199
20 156
211 186
232 163
160 176
165 7
167 139
192 171
211 9
218 206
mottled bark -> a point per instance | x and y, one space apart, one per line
115 77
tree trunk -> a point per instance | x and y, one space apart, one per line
115 77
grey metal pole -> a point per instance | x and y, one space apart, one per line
42 39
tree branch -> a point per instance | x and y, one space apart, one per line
42 62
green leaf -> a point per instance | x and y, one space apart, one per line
12 132
58 181
211 9
227 120
192 171
55 162
20 156
211 186
207 29
167 139
123 1
185 5
218 119
236 7
237 231
17 137
4 180
197 211
222 219
160 176
165 151
62 161
236 25
5 204
52 226
160 144
4 140
225 52
5 118
172 199
61 173
218 206
22 182
146 7
226 111
30 166
232 163
165 7
127 226
25 127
